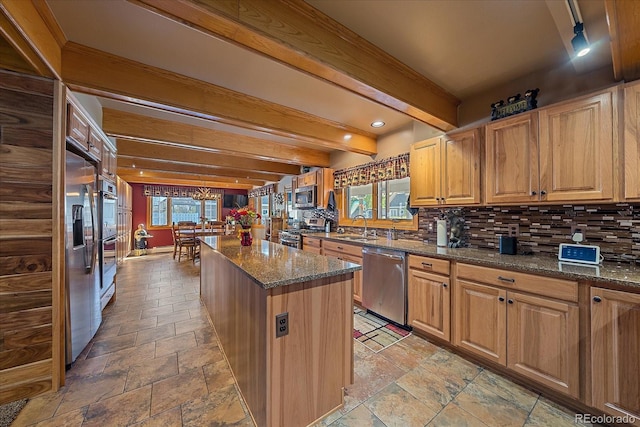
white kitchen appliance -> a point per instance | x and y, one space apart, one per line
583 254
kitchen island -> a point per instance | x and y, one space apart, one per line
253 294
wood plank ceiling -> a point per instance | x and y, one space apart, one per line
226 138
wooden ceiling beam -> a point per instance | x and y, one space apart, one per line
153 178
623 18
294 33
197 169
146 150
99 73
188 175
122 124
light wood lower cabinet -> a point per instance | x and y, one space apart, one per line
615 346
349 253
312 244
429 297
535 336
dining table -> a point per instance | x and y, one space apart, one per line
199 232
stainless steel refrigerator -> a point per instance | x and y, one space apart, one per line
82 273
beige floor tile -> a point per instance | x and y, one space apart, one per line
138 325
39 408
170 418
410 352
506 389
191 325
177 390
450 367
432 390
218 375
206 336
157 311
122 410
73 418
113 344
197 357
176 316
123 359
92 389
187 305
177 343
157 333
153 370
87 367
396 407
490 408
221 407
453 416
547 414
359 417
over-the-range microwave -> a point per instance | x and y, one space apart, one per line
305 197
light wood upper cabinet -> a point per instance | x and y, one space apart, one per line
632 141
561 153
576 150
446 170
615 343
511 147
109 159
429 296
77 125
94 144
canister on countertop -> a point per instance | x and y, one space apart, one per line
508 245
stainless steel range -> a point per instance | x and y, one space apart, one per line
293 236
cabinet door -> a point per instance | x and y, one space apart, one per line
543 341
480 320
95 144
106 159
77 125
357 277
429 303
461 168
632 142
424 168
576 150
615 350
512 160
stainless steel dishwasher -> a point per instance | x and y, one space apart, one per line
384 283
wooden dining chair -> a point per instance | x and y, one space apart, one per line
186 238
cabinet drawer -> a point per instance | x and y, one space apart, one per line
546 286
432 265
311 242
342 247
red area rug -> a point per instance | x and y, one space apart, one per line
374 332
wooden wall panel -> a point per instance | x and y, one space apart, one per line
27 207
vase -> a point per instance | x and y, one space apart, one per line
245 237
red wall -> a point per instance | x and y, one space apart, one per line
161 235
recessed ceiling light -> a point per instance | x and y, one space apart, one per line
377 124
133 165
347 137
140 172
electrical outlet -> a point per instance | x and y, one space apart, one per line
514 230
282 324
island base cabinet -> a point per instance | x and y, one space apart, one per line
543 341
615 346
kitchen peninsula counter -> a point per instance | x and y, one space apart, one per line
298 378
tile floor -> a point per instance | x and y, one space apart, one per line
155 362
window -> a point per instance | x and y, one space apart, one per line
163 211
392 199
384 204
264 206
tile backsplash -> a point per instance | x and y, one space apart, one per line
613 227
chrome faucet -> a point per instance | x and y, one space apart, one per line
365 222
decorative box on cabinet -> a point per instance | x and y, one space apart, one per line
349 253
631 120
525 322
615 352
429 296
446 170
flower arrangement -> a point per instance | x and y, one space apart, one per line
244 216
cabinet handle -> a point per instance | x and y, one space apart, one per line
501 299
597 299
340 247
510 301
438 199
533 193
427 265
443 200
506 279
543 192
444 285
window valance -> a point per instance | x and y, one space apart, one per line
265 190
200 193
381 170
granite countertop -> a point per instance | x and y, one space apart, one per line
621 274
273 265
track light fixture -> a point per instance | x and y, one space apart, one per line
579 41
